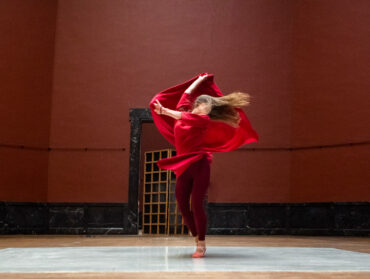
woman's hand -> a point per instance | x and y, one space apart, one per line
158 108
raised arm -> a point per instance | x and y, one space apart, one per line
195 83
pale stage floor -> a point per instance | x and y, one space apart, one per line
170 257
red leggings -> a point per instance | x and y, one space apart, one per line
194 181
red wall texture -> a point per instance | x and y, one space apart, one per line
73 68
27 31
330 100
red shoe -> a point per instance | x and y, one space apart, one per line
197 254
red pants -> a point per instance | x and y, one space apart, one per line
194 181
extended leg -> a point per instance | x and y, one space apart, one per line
184 184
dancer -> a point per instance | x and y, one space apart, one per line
197 119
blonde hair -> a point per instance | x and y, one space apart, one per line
223 108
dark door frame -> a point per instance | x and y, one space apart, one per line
137 117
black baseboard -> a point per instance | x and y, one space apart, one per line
330 218
64 218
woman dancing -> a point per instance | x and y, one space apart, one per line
197 119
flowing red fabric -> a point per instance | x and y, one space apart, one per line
216 137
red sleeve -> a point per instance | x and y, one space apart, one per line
186 102
193 119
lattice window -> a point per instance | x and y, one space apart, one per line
160 212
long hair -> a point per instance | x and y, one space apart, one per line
223 108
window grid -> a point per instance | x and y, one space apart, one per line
160 214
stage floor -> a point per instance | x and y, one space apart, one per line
170 257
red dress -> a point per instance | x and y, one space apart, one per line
196 136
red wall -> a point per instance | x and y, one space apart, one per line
303 62
27 31
330 100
